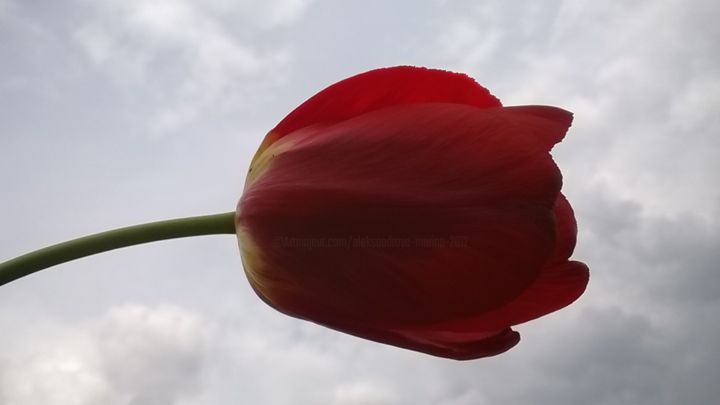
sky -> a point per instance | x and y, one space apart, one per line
120 112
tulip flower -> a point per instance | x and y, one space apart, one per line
407 206
403 205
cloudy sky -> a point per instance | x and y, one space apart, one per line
118 112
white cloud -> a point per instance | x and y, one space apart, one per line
181 54
6 7
281 12
152 355
364 393
132 355
468 44
54 377
266 15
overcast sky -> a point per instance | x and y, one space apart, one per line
124 111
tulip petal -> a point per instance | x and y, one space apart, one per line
456 204
558 286
456 346
453 344
566 230
381 88
481 336
548 124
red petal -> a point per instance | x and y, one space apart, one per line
457 346
382 88
558 286
416 174
462 345
565 228
549 124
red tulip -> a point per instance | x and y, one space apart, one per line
407 206
402 205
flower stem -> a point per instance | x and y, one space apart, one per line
101 242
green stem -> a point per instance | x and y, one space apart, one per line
101 242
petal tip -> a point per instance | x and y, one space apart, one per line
550 124
489 347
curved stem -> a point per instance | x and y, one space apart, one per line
101 242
